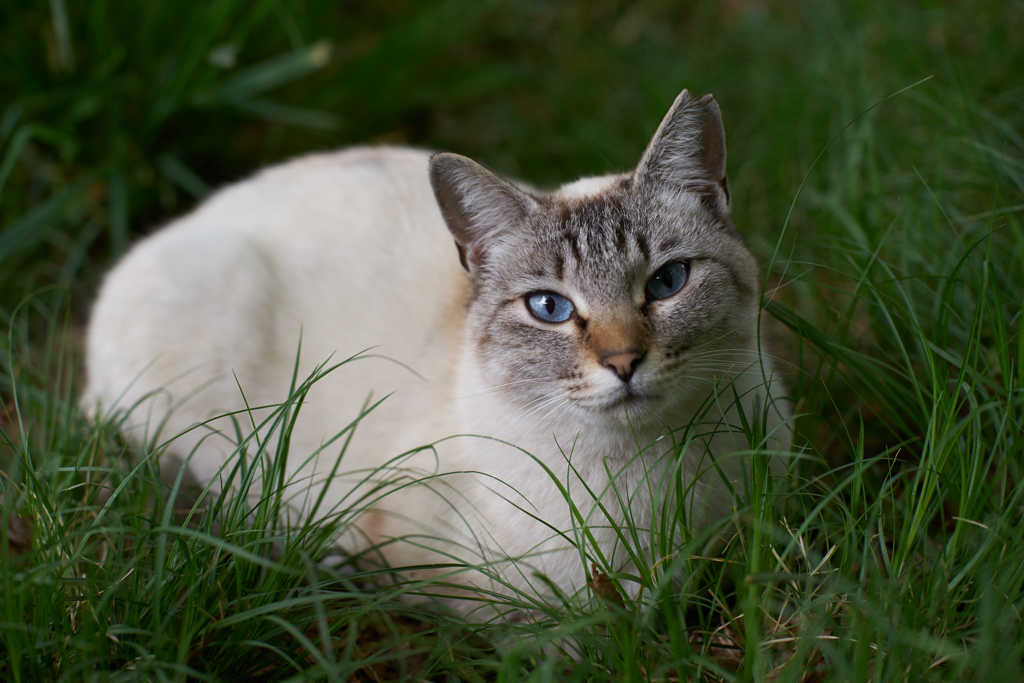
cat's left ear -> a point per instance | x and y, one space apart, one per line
687 151
479 206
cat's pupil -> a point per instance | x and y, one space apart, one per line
549 304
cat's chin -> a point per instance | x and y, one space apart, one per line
623 408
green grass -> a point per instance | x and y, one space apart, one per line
877 169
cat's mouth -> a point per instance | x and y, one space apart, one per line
627 399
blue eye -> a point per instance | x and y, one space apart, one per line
668 280
549 307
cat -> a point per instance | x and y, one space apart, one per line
602 337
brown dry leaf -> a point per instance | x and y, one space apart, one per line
604 588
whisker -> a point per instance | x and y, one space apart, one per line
540 403
505 385
554 407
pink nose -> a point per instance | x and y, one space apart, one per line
622 363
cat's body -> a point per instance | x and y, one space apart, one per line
349 251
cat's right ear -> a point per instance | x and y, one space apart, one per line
478 205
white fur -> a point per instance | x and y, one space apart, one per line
349 250
586 187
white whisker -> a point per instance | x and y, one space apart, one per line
495 388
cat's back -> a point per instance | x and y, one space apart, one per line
347 249
356 197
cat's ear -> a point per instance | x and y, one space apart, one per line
478 205
687 151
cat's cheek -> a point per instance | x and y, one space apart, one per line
529 359
672 324
705 311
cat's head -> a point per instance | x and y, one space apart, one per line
616 299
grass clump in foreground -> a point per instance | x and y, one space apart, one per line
893 549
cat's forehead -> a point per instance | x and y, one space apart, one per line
587 241
598 230
595 229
